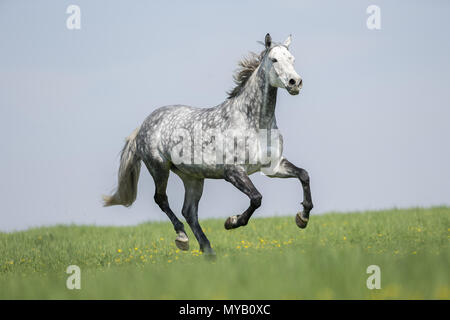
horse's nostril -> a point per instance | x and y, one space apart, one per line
301 82
292 82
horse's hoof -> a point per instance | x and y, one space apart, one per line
231 222
209 254
301 222
182 241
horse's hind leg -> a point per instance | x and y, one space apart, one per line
193 192
160 173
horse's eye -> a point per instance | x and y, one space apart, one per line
274 60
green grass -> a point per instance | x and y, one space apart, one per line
270 258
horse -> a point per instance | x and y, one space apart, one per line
230 141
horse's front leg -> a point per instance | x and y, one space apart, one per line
286 169
239 178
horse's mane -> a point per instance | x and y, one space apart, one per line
247 66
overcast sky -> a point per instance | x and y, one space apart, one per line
372 124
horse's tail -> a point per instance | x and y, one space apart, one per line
130 166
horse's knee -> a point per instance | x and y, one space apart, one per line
304 176
256 200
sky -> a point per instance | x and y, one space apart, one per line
371 125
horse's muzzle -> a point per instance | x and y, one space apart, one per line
293 90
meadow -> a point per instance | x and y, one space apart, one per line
270 258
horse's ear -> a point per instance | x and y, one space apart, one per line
268 41
287 42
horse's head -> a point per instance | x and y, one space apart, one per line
279 66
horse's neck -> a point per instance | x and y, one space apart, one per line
258 101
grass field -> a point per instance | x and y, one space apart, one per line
271 258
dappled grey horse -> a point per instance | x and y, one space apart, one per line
230 141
